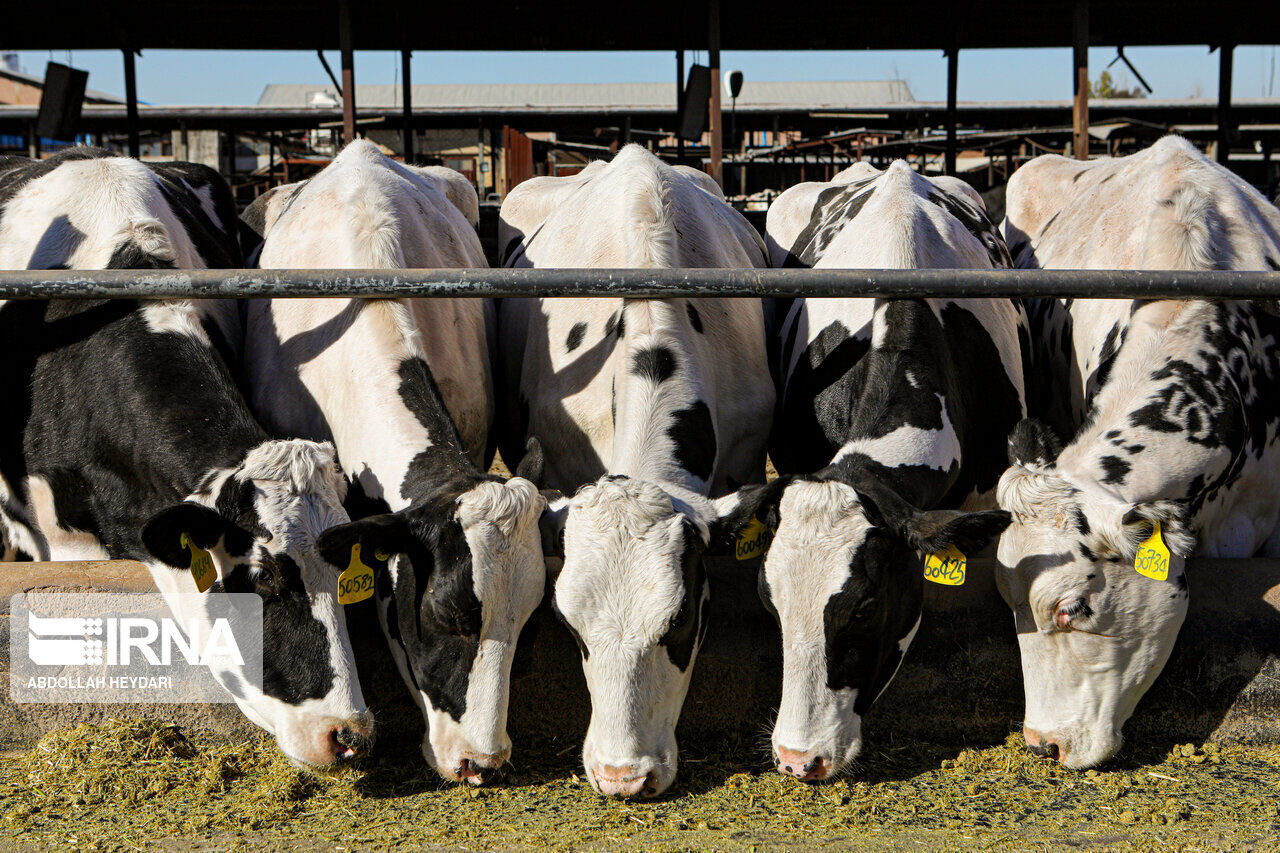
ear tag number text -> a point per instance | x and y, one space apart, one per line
202 570
356 581
945 567
1153 556
753 540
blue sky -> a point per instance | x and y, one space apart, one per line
237 77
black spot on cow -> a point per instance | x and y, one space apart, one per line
1087 553
694 436
1081 521
686 627
1135 449
616 323
695 319
574 339
657 364
835 207
1116 470
1273 263
289 629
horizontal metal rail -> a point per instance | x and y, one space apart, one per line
643 283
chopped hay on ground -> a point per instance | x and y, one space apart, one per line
138 784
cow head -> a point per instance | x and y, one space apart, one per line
633 592
1093 632
458 574
844 579
259 523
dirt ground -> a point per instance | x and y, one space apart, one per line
104 789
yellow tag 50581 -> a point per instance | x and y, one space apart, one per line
1153 556
753 540
945 567
202 570
356 581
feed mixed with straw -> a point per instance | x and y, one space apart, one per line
139 784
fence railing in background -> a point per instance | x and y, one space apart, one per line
231 284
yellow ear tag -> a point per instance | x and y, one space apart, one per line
753 540
1153 556
202 570
356 581
945 567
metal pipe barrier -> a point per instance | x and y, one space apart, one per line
635 283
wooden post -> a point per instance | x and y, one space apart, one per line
348 73
33 141
679 103
131 104
1080 57
717 120
953 67
1225 130
407 86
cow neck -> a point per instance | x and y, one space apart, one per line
885 401
1168 349
656 379
385 414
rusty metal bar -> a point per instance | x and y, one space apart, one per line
641 283
1080 61
717 117
348 73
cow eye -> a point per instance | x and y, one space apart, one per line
1070 611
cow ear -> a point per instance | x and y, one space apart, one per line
379 537
1139 522
532 463
1032 444
932 531
162 535
734 511
551 523
937 530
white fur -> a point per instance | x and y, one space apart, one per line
623 541
1167 207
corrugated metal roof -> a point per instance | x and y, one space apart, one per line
662 96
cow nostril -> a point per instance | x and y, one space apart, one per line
1043 750
349 743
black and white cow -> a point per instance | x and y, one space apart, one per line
891 431
1180 431
649 406
457 553
125 432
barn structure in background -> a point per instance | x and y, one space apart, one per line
659 25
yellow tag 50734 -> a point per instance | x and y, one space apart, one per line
202 570
945 567
356 581
753 540
1153 556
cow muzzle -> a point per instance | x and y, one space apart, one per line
624 781
807 766
1074 750
327 743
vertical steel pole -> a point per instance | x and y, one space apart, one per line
679 103
348 72
407 86
1225 55
717 119
953 66
131 103
1080 59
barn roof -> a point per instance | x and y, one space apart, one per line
635 96
653 25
